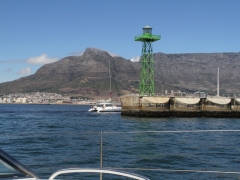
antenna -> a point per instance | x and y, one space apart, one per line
218 83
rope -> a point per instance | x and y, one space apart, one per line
179 170
115 82
127 132
46 133
177 131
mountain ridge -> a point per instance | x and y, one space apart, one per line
88 75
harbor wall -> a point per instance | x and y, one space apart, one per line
180 107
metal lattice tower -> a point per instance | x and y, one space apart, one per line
146 85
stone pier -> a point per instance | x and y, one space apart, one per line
144 106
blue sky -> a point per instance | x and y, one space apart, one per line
36 32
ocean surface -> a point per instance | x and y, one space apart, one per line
47 138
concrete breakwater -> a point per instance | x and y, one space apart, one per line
144 106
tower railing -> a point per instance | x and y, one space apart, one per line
150 36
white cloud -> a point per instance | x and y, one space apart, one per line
25 71
41 60
135 59
12 61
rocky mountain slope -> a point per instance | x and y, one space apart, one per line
198 71
88 75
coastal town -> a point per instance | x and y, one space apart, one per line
54 98
42 98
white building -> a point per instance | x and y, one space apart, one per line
18 100
24 100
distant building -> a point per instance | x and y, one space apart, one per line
18 100
199 94
24 100
9 100
179 94
59 102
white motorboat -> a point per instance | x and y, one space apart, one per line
105 107
98 105
109 107
10 168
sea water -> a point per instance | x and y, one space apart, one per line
47 138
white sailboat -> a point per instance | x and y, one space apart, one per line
106 106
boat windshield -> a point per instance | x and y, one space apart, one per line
105 104
8 171
11 168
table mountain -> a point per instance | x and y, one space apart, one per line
88 75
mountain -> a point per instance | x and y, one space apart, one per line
88 75
198 71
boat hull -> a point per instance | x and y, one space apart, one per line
110 110
92 110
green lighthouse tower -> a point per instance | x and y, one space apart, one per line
146 85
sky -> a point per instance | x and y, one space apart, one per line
38 32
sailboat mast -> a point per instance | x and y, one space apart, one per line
110 81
